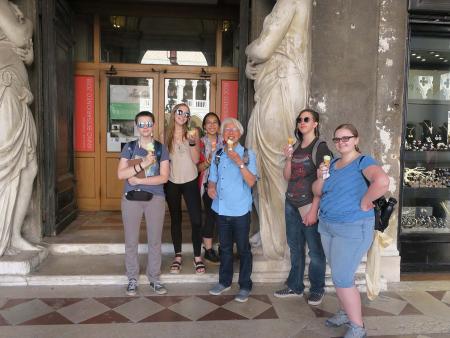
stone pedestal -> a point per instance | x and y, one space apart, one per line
23 263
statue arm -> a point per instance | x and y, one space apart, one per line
275 27
14 25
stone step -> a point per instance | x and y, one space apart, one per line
109 270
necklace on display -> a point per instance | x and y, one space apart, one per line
429 127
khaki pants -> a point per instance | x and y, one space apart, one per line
154 211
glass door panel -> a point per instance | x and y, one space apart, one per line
127 96
194 92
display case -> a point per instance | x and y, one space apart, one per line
424 240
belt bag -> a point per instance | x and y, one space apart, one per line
139 195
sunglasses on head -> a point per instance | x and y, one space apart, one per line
180 112
303 119
344 139
147 124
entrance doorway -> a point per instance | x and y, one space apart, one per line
126 93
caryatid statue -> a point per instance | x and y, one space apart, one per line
279 62
18 165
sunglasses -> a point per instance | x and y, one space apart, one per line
180 112
344 139
147 124
303 119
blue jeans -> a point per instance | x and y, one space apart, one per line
297 235
235 229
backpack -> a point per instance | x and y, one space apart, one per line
314 150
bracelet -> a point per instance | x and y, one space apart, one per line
134 167
192 145
141 167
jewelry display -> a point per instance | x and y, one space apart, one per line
419 177
424 222
432 139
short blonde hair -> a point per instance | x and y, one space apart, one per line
235 122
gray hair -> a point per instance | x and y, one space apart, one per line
235 122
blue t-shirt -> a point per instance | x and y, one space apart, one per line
234 196
150 171
343 190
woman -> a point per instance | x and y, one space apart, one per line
18 165
211 142
184 150
300 213
278 61
347 220
143 194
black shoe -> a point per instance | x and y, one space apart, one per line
211 256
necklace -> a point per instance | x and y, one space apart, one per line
429 127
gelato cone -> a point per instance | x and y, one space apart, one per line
150 147
230 144
326 170
291 141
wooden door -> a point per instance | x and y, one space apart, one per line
123 95
59 201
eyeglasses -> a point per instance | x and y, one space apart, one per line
303 119
344 139
229 130
147 124
180 112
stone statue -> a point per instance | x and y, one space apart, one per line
18 165
278 61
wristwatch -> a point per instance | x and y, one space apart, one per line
241 166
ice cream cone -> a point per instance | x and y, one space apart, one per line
326 160
230 144
150 147
291 141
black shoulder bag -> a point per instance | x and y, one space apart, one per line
383 208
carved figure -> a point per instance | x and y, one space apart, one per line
278 61
18 164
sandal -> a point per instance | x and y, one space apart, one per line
175 267
199 267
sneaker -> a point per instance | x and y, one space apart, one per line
211 256
340 318
355 331
158 288
287 292
218 289
242 296
132 287
315 298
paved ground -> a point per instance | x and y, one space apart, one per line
408 309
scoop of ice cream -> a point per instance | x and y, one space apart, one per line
291 140
150 147
230 142
326 159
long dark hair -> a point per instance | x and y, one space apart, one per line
351 128
208 115
315 116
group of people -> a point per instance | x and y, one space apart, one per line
328 204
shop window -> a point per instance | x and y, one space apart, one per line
158 40
83 36
230 43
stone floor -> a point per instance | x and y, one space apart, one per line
408 309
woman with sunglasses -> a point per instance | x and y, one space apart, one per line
143 194
347 220
301 209
211 142
184 153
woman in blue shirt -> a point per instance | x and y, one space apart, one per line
346 220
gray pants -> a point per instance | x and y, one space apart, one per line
154 211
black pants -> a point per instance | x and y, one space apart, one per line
210 217
191 195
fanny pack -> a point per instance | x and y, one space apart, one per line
138 195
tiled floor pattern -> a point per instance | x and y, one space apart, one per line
103 310
48 311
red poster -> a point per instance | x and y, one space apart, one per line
84 123
229 99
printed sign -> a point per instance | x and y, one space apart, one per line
229 99
84 119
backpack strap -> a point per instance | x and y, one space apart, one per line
245 157
359 165
314 150
132 147
158 150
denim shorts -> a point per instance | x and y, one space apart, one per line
344 244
